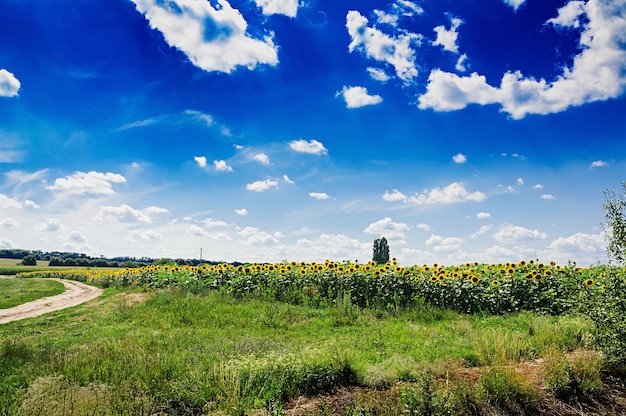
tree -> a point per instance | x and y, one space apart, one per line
29 260
381 251
615 225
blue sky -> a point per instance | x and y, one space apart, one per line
269 130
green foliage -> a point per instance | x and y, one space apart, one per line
381 251
615 224
510 391
29 260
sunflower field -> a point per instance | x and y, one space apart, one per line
470 288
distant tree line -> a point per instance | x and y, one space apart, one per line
58 258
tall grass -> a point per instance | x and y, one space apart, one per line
178 353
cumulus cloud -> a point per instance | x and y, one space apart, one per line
444 244
7 202
222 166
538 186
579 243
49 224
76 237
214 38
262 158
319 195
200 160
8 223
312 147
242 212
287 7
256 236
395 51
123 213
87 183
155 210
6 243
547 196
451 194
9 85
142 235
513 233
388 228
482 230
598 72
31 204
483 215
356 97
424 227
447 38
459 158
515 4
461 63
261 186
597 164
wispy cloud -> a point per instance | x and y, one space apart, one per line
319 195
515 4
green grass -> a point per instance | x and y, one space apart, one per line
177 353
16 291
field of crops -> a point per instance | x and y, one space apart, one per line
491 288
255 337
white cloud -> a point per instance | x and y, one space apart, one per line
142 235
515 4
256 236
577 243
123 213
288 180
447 38
8 223
356 97
538 186
9 85
483 215
388 228
312 147
597 164
30 204
83 183
261 186
386 18
242 212
598 72
319 195
49 224
569 15
222 166
547 196
482 230
424 227
11 156
451 194
153 210
459 158
286 7
378 74
395 51
200 160
213 38
394 196
196 230
520 181
514 233
211 223
77 237
447 244
461 63
6 202
6 243
262 158
407 8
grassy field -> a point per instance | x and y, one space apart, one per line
160 342
14 292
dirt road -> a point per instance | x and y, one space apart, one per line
75 294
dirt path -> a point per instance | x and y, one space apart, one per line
75 294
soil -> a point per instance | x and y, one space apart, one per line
75 294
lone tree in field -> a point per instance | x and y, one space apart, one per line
381 251
615 224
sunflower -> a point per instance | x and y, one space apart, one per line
495 282
589 282
474 279
434 279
